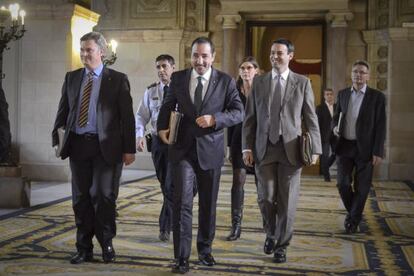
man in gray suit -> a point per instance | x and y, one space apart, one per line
275 108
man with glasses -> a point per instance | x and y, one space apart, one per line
360 124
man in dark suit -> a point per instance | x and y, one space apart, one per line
210 102
274 111
325 112
148 109
96 112
361 131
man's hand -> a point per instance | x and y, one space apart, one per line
206 121
335 131
315 158
140 143
376 160
248 158
163 134
128 158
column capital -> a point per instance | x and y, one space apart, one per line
228 21
338 18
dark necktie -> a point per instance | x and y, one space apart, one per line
198 94
165 92
86 96
275 112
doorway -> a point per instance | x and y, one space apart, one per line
308 59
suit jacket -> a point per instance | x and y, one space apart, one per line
115 116
221 100
325 122
297 104
370 124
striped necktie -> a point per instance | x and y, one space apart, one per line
84 105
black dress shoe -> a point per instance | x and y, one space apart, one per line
269 246
82 256
235 232
280 255
181 266
108 254
351 228
164 236
206 259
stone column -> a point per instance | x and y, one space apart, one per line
336 57
230 38
400 101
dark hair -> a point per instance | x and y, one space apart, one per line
250 59
289 45
166 57
361 62
98 38
328 89
203 40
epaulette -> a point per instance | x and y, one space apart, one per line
152 85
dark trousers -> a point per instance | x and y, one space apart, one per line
186 174
353 170
327 159
94 183
159 152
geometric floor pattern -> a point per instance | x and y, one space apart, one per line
40 241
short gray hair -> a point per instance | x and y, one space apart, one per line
98 38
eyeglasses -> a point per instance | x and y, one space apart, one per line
248 68
359 72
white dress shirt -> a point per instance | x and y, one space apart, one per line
205 79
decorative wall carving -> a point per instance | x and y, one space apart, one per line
152 8
382 52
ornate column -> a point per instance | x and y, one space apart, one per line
336 37
230 38
400 101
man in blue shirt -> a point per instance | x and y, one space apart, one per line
96 112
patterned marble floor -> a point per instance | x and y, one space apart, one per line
40 241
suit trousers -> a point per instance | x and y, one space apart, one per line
327 159
352 169
159 152
94 183
186 174
278 192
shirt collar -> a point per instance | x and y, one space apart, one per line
206 76
284 74
97 71
363 89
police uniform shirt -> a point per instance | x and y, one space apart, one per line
148 109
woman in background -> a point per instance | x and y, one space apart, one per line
248 68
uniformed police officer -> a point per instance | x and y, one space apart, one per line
148 110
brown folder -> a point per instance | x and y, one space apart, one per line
175 119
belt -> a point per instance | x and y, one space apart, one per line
88 136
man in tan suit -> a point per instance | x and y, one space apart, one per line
279 100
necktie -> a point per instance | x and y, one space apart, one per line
165 92
275 112
198 94
86 96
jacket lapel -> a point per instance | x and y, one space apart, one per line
211 87
105 83
267 86
290 88
346 101
185 95
364 104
